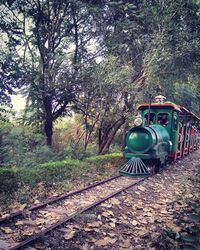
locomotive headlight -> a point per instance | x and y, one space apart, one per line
138 122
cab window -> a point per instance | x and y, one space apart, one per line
163 119
151 120
175 126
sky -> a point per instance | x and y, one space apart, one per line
18 102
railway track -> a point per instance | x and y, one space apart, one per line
28 225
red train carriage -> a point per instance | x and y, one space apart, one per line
188 131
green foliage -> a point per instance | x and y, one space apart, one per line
107 101
22 147
101 160
11 179
4 114
54 55
8 180
171 59
143 47
41 154
105 157
48 173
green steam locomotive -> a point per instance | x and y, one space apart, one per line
163 132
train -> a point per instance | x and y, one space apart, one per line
163 132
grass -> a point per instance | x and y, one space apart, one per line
22 183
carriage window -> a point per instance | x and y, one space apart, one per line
163 119
175 122
152 118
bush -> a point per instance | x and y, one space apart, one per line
23 147
57 171
9 182
49 173
40 155
104 158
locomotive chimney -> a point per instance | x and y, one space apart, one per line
160 99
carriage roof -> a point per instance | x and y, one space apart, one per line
172 106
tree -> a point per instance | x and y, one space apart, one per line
172 59
54 45
107 102
160 39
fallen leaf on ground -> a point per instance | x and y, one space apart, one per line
134 222
22 207
126 244
40 221
141 188
28 233
18 223
115 201
112 234
163 211
4 216
105 241
94 224
107 205
107 213
174 227
148 214
88 229
6 230
146 209
69 235
101 243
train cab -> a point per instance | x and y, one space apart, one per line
165 114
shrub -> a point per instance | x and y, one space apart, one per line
9 182
40 155
52 172
101 160
23 147
106 157
47 173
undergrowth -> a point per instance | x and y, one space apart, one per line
52 173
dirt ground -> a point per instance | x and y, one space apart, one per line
161 213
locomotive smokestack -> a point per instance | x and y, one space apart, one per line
160 99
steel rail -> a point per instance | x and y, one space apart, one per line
59 198
68 218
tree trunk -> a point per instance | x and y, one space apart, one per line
48 131
48 126
125 129
105 142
